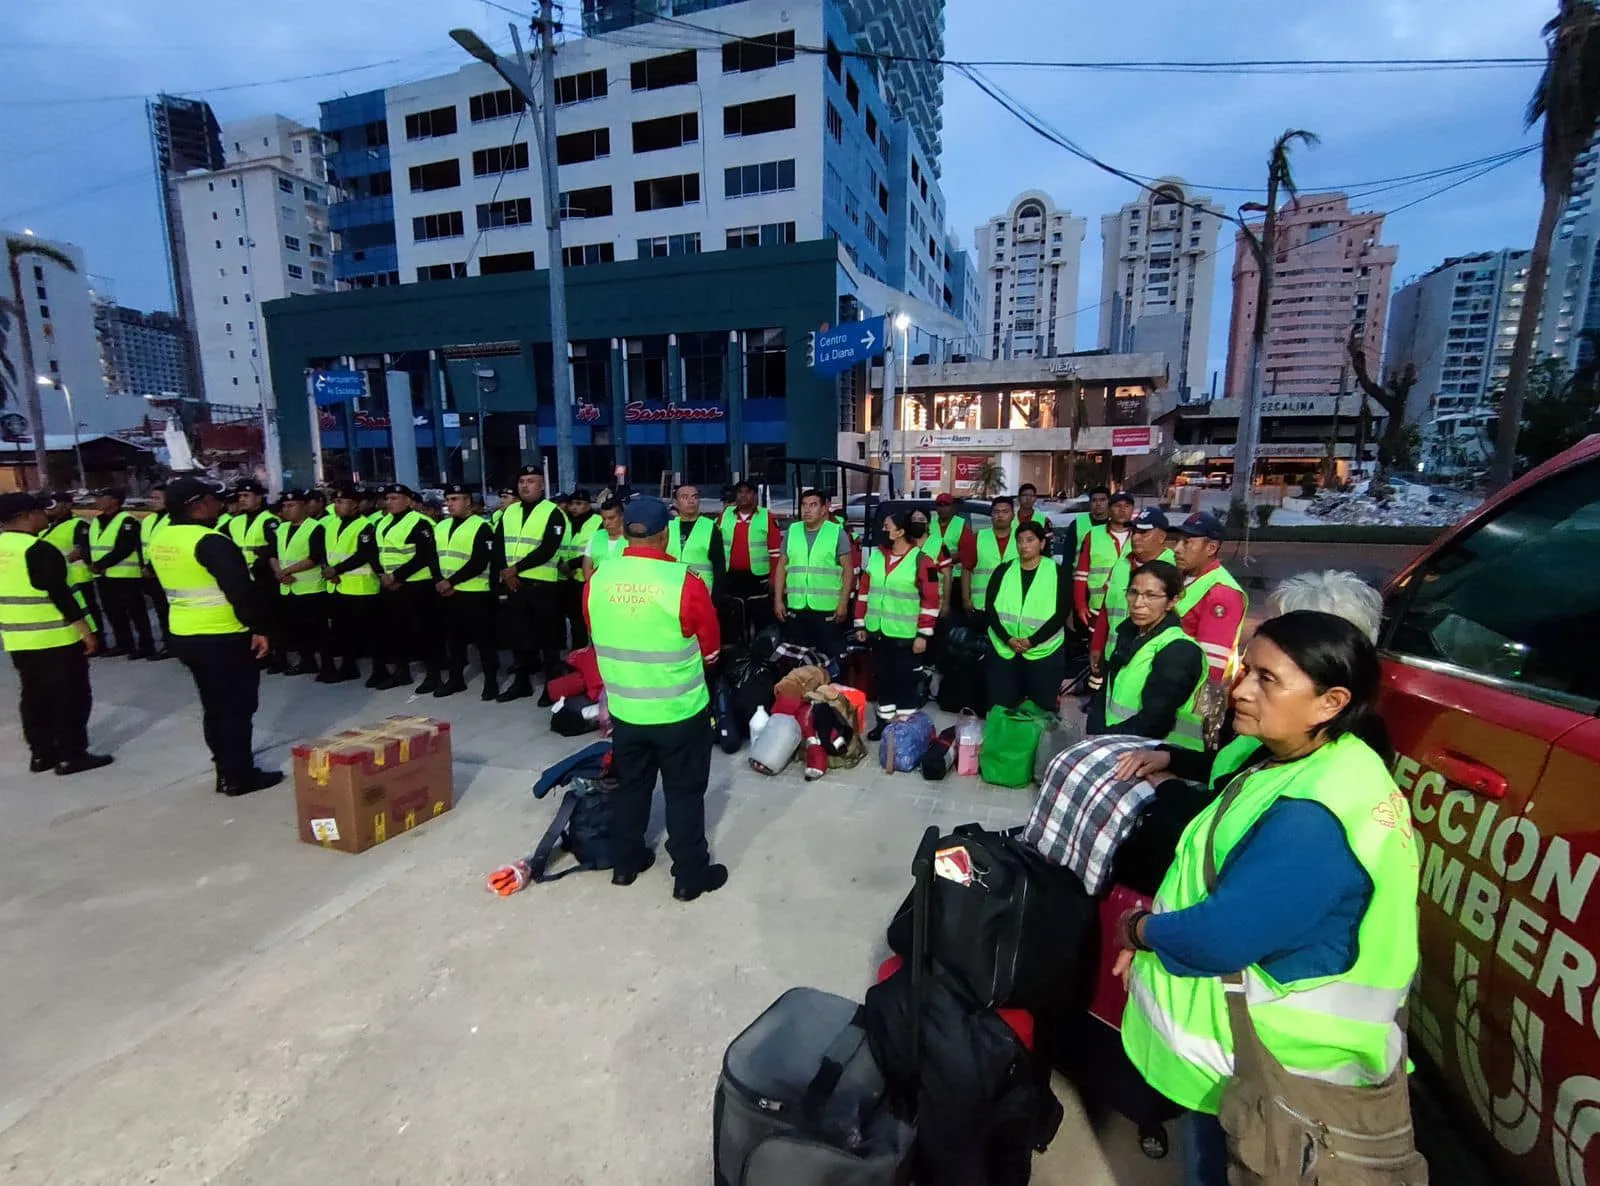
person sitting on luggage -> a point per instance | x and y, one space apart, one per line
1286 929
1029 604
1154 670
897 603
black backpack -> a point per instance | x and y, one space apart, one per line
582 826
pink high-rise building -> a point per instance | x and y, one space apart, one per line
1332 276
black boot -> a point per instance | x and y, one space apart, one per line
255 780
379 678
451 685
163 653
327 673
877 730
83 762
708 881
620 876
429 685
306 666
519 688
491 686
346 672
40 763
399 679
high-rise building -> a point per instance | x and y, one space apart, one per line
1156 278
1331 279
355 131
142 353
257 229
1029 258
1572 295
184 136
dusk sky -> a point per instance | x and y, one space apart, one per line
77 162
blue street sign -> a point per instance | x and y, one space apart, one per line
335 387
840 348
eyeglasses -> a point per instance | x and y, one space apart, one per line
1136 595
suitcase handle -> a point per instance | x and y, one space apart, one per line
921 897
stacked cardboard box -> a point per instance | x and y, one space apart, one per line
358 788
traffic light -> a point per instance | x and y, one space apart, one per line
811 349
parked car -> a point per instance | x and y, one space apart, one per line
1491 690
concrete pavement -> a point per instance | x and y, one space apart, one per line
194 997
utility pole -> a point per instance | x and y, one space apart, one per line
542 107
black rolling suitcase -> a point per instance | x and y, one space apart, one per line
801 1100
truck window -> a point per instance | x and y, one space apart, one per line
1516 600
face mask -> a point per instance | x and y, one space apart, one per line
916 530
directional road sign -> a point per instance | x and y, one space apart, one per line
335 387
840 348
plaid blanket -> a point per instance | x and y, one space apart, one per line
1083 813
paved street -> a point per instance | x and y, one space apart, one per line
193 996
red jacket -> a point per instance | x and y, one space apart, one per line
1215 621
927 584
696 614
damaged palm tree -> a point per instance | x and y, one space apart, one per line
1391 396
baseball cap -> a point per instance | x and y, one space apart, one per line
183 491
248 486
19 503
1122 496
1201 523
1149 518
944 500
645 517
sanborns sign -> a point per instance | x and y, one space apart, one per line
639 412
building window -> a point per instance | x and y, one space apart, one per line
769 177
835 61
766 364
44 310
286 185
227 328
315 250
590 253
291 243
594 202
38 273
757 53
437 175
424 125
509 213
296 272
654 74
670 131
666 193
580 88
852 92
834 122
664 245
759 116
508 158
442 272
219 244
494 105
247 298
766 235
576 147
311 195
872 126
512 261
42 313
286 211
448 225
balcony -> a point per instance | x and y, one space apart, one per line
360 212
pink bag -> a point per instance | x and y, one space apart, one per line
969 740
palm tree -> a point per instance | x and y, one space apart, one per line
16 248
1567 99
1264 248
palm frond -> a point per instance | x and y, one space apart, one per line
20 245
1567 97
1279 163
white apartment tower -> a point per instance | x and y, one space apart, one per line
255 230
1156 280
1572 295
1028 260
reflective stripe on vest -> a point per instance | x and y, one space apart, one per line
394 549
294 545
524 531
1022 616
148 526
575 545
812 576
195 603
696 550
602 547
760 528
653 674
894 603
951 538
29 620
61 536
1103 554
1336 1029
1116 592
990 557
103 537
341 544
249 533
1125 696
455 539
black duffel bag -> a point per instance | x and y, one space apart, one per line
1005 925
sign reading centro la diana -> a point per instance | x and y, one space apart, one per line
639 412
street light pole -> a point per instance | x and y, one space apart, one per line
902 322
77 449
519 74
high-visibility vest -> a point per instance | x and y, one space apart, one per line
455 539
1103 554
695 552
102 537
1231 758
341 544
894 602
222 522
576 543
29 620
1039 517
950 536
524 531
63 537
249 534
990 557
148 526
1196 590
1022 616
195 602
1125 695
1337 1029
760 526
1116 592
652 673
395 549
294 545
602 546
812 576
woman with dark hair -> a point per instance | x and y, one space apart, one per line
1154 669
1028 607
1267 985
897 603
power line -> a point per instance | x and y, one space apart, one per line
494 197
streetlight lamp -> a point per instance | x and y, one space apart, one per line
77 449
902 322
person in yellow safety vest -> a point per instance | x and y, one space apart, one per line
1153 670
897 605
527 557
607 542
988 549
43 628
302 554
114 561
353 573
1213 606
230 508
253 528
466 560
694 540
953 532
1027 512
1098 514
507 495
654 630
1267 987
148 585
69 534
1096 554
811 590
409 623
1029 605
754 549
1149 542
582 523
370 510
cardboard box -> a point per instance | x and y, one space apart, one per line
360 787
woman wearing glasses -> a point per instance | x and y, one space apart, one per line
1154 669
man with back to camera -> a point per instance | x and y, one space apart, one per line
811 590
1096 554
527 561
1212 607
114 561
753 548
654 629
69 535
466 560
694 540
43 628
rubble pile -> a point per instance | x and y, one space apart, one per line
1403 505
